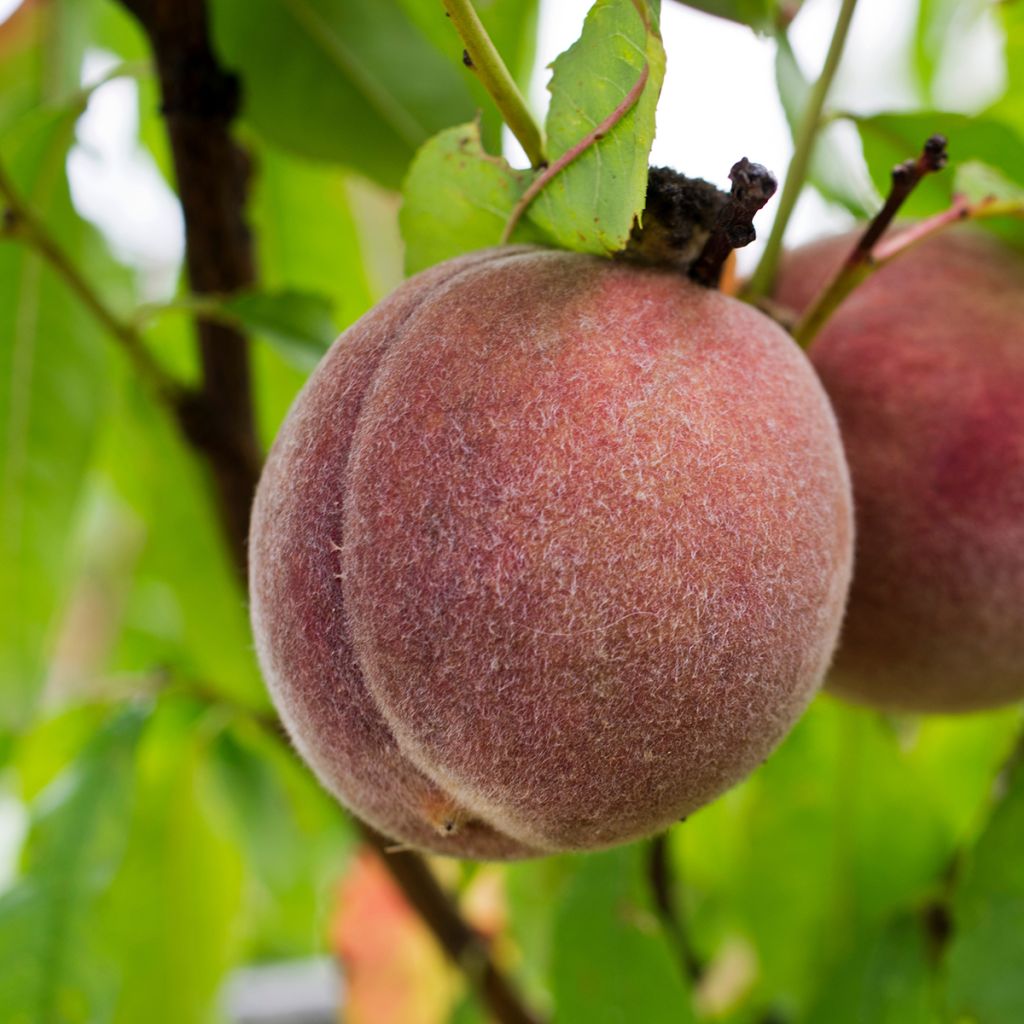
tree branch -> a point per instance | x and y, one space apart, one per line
200 100
659 871
463 945
862 259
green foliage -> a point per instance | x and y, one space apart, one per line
172 833
890 139
457 198
512 26
605 922
762 15
300 325
310 241
888 979
289 830
936 20
849 824
985 980
52 972
52 383
342 80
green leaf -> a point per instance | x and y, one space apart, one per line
888 979
295 838
830 170
535 891
21 46
978 181
45 750
941 50
457 198
184 610
890 139
985 981
53 366
590 206
170 919
341 80
305 218
304 215
41 51
800 860
611 962
935 18
300 325
51 972
1011 107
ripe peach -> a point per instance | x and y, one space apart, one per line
550 551
924 364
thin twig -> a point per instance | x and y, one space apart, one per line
659 869
863 258
21 223
482 56
905 178
552 170
752 186
803 147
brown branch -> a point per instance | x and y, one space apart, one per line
200 100
659 871
752 186
905 178
591 138
462 944
861 260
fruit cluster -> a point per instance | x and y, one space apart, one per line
551 550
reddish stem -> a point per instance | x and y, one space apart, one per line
541 181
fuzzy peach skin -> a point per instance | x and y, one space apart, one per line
924 365
549 552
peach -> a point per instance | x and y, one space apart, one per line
550 551
924 364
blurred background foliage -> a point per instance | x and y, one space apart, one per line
155 830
